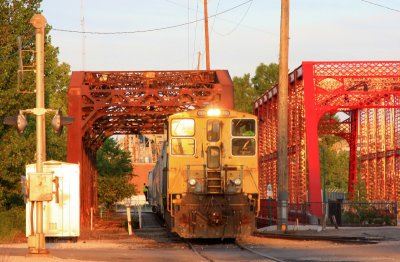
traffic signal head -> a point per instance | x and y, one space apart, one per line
59 121
19 121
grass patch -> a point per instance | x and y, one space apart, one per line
12 223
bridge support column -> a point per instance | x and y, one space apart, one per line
312 119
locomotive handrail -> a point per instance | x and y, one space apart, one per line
169 197
258 191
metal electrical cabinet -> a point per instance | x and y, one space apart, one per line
61 214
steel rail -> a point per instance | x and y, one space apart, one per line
241 246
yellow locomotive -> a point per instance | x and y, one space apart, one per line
205 184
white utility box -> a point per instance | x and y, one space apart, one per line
60 216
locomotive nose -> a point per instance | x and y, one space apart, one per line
215 218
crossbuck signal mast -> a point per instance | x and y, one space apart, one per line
40 184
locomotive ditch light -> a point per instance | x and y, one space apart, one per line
237 182
19 121
192 181
59 121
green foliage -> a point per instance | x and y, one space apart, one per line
267 76
334 164
11 227
115 171
17 151
366 214
244 93
247 90
360 190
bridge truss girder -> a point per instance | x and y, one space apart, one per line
319 88
108 103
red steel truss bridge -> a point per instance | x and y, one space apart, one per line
112 103
368 94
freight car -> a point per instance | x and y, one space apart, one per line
205 183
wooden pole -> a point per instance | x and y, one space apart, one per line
198 60
283 118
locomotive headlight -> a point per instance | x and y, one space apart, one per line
214 112
192 181
237 181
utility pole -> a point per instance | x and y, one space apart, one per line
198 60
38 21
283 119
206 33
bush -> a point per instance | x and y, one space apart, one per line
349 217
12 223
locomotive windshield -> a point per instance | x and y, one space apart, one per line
181 129
243 127
243 141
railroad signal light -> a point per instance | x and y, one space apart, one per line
59 121
19 121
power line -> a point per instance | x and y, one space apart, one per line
195 34
212 26
383 6
149 30
239 23
221 18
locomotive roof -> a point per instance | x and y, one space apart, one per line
194 113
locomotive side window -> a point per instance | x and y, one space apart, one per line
182 127
243 141
182 146
243 146
213 130
243 127
213 157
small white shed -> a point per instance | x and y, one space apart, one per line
59 219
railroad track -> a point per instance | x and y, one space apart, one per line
231 251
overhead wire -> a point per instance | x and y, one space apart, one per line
195 35
216 10
151 29
383 6
188 33
223 19
239 23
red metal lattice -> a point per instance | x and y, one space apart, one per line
369 93
108 103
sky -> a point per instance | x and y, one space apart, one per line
164 34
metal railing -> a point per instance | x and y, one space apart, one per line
340 213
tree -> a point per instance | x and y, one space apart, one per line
17 151
244 93
247 91
115 171
266 77
334 164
